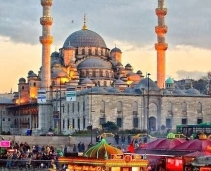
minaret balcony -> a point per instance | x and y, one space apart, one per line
161 46
46 20
46 2
161 11
46 39
161 29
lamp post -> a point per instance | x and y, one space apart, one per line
91 116
60 107
148 74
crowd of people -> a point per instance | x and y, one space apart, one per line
22 155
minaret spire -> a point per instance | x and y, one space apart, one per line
161 46
46 39
84 26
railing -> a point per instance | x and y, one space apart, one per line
29 165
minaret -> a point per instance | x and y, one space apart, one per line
46 39
45 116
161 46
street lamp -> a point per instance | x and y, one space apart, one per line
148 74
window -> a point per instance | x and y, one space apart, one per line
199 110
184 121
90 52
73 123
199 120
8 119
3 119
68 123
83 51
34 84
102 121
22 88
184 107
105 83
119 107
168 123
96 52
119 122
102 110
63 123
83 105
73 110
78 123
135 122
84 123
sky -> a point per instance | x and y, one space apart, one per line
126 24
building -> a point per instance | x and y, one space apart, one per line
105 89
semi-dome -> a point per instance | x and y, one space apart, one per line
96 63
169 81
87 81
101 150
192 91
133 77
59 74
116 50
85 38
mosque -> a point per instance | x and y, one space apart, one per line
105 89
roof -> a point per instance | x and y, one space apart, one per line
94 63
4 100
169 81
102 150
143 84
84 38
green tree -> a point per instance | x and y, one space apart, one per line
110 126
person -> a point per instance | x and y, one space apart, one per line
74 148
65 150
82 147
116 138
123 140
129 139
79 147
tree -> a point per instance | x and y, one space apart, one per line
110 126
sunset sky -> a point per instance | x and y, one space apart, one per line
128 24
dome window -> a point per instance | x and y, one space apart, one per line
83 51
90 52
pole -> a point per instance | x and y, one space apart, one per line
148 74
60 108
91 115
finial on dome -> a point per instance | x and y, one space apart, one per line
84 26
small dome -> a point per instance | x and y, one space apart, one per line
169 81
30 72
55 54
59 74
143 84
129 90
87 81
97 89
22 80
192 91
116 50
94 63
119 82
84 38
102 150
139 72
178 91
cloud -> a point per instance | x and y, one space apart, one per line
122 20
190 74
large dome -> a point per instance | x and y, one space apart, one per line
84 38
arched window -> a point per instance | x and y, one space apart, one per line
135 109
94 73
83 105
22 87
83 51
199 108
90 52
101 52
102 107
105 83
119 107
96 52
184 107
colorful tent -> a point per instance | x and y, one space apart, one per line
193 145
164 144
